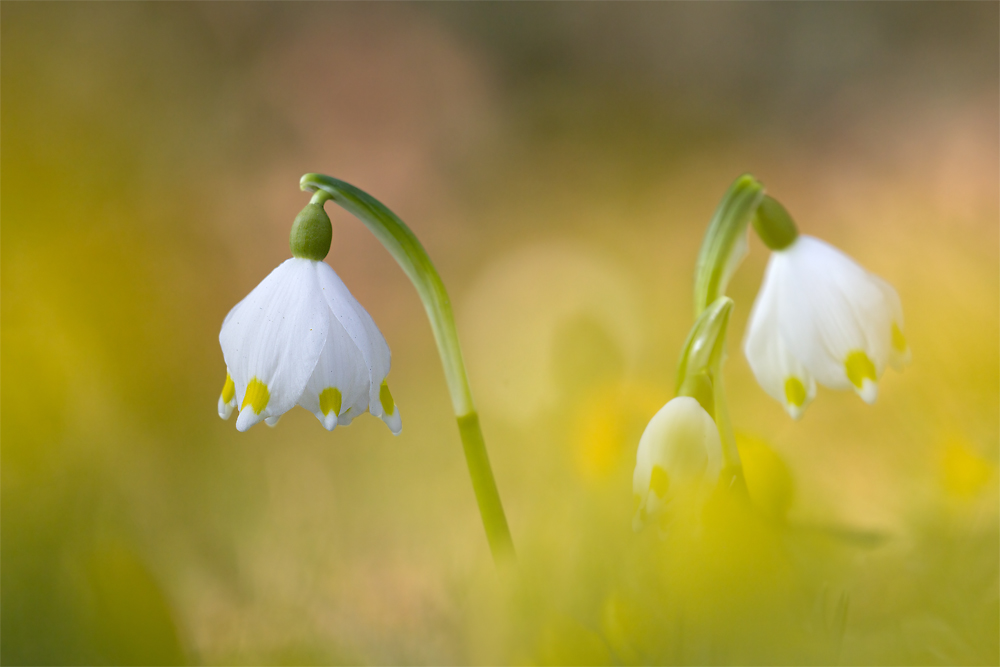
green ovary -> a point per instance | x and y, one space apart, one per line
795 392
257 396
859 368
388 405
330 400
659 482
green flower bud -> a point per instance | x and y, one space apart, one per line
773 224
312 233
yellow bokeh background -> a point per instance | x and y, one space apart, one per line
560 163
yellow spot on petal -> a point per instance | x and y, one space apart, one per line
228 389
898 339
257 396
659 482
859 367
330 400
795 392
388 405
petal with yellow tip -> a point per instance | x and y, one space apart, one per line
275 336
678 460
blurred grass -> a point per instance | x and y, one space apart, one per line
559 162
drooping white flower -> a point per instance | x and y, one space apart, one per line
300 337
820 317
679 459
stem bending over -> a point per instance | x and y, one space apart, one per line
404 246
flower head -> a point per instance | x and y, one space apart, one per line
300 337
679 459
820 317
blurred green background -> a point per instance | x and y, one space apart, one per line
560 163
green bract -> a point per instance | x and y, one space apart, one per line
704 349
725 243
699 371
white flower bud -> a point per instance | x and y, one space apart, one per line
679 460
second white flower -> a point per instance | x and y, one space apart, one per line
820 317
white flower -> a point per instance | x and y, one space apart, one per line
820 317
679 459
300 337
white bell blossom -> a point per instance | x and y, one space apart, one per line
820 317
300 337
679 459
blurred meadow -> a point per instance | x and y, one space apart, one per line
560 163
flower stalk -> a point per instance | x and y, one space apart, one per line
699 372
408 252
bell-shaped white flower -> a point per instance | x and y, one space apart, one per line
820 317
300 337
679 459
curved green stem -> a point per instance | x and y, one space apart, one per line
412 258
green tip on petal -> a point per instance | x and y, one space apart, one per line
330 400
228 389
898 339
861 372
312 233
384 397
257 396
659 482
795 397
795 392
859 368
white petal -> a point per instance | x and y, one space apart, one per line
390 409
275 336
347 417
361 329
868 391
272 421
681 444
341 367
393 421
227 398
778 372
828 308
330 420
